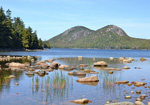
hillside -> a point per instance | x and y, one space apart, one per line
108 37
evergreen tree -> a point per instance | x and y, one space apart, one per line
13 33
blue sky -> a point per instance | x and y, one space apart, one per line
52 17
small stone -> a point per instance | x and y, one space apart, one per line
110 72
138 92
142 79
126 67
132 92
107 102
17 83
127 97
142 96
138 99
127 92
129 84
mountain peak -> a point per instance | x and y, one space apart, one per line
115 29
76 32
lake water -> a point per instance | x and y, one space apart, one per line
51 90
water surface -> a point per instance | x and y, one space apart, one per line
58 88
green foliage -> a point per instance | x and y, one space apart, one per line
46 44
14 35
104 38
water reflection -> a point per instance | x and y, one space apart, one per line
54 87
58 87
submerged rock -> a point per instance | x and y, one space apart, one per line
126 67
112 69
88 79
77 73
89 83
83 65
121 82
90 71
121 103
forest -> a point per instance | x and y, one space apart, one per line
14 34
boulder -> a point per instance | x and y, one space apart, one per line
30 73
12 76
41 73
62 66
88 79
100 63
44 65
138 84
13 64
54 65
81 101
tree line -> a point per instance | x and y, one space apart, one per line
14 35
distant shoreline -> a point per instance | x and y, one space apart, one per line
100 49
8 49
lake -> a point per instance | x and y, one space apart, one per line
59 88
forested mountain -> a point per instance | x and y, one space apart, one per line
14 35
108 37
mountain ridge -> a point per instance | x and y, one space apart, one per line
108 37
